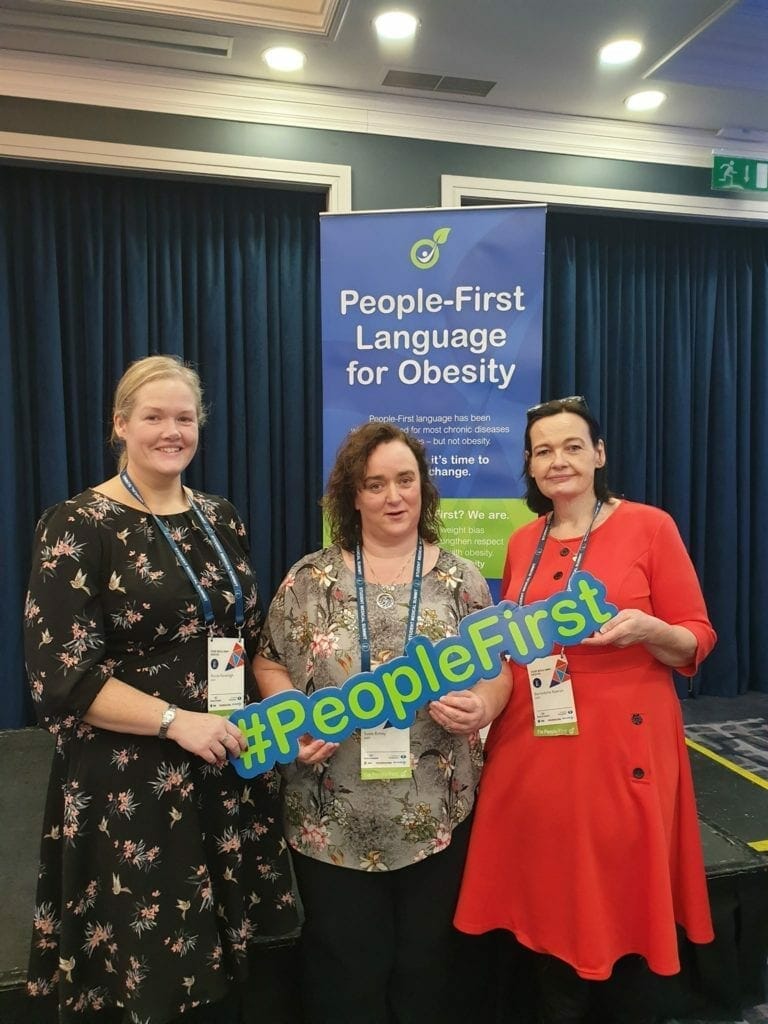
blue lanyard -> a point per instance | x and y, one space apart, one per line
362 607
540 550
202 593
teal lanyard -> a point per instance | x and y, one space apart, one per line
362 607
540 551
202 593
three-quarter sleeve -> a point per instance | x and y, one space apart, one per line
64 638
676 593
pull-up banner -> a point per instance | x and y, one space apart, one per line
431 319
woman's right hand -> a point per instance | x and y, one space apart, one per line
209 736
312 751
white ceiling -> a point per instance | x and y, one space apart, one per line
710 57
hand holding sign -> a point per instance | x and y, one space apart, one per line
394 692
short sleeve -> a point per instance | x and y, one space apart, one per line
64 638
476 589
272 642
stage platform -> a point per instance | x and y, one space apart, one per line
728 746
725 981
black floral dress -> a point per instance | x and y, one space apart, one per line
159 873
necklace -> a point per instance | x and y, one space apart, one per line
386 599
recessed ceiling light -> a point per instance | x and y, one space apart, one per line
621 51
648 100
396 25
284 58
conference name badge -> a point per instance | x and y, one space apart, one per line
554 708
385 753
226 674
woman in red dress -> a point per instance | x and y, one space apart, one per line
585 843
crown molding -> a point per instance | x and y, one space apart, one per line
334 179
164 90
306 16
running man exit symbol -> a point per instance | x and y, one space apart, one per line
739 173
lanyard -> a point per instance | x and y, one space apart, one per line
362 607
202 593
540 550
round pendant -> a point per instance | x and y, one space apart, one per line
385 601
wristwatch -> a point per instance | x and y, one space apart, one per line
165 722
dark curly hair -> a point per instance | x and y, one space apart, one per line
534 499
348 473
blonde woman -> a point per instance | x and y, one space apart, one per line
162 872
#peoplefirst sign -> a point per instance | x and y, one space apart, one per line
394 691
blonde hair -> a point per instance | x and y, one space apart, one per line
146 371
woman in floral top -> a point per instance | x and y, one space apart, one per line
379 848
162 871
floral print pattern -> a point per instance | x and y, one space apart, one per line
159 873
330 814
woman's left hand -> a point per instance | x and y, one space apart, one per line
629 626
461 712
672 645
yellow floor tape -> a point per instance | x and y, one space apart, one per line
761 845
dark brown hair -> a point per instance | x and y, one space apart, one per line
347 477
534 499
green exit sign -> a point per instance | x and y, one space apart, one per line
735 172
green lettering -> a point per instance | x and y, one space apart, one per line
284 718
399 699
516 634
422 650
588 594
354 693
258 744
329 715
532 620
564 611
453 658
482 644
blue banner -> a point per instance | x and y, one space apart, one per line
432 319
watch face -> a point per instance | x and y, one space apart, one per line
168 716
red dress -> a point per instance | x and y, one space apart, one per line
587 847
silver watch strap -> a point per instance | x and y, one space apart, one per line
165 722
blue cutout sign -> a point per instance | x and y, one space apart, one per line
394 691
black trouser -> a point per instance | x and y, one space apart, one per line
380 947
565 998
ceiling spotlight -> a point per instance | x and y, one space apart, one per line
396 25
284 58
649 100
621 51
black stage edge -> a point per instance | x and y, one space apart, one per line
729 975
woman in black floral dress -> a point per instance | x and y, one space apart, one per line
162 871
379 823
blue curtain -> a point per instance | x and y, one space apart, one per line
664 327
96 271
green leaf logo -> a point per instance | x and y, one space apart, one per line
426 251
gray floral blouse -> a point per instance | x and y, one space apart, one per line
330 814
